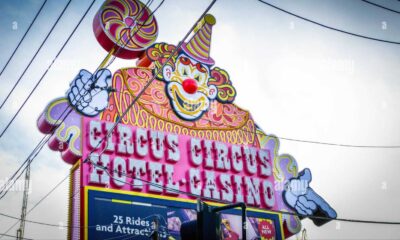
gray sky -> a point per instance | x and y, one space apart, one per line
297 79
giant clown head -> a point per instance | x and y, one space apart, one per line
191 82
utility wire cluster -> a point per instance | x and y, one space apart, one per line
4 189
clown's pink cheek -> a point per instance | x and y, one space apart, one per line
189 85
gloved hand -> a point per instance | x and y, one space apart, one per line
89 94
303 199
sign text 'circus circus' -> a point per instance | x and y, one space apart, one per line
152 161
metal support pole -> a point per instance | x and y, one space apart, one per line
243 207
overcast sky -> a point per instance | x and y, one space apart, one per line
297 79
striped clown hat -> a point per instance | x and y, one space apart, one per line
198 46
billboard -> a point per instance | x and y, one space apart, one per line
166 132
118 214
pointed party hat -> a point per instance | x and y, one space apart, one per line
198 46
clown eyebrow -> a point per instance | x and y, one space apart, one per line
198 66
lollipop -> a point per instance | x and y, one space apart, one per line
125 27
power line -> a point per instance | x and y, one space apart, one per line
43 141
7 185
48 68
301 140
34 56
37 84
179 45
337 219
160 186
154 76
146 182
380 6
310 141
326 26
39 202
23 37
226 202
149 2
30 221
6 235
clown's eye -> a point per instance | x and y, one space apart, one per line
185 60
184 72
197 78
201 68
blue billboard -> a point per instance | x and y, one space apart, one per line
114 214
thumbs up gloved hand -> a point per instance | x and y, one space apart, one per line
304 200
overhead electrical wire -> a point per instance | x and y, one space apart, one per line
380 6
303 140
48 68
146 182
6 235
310 141
154 76
23 37
10 183
186 36
226 202
40 145
160 186
337 219
7 185
326 26
186 193
149 2
38 203
36 53
43 141
37 84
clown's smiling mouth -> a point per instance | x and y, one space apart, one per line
187 106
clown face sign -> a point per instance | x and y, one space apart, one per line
188 87
178 138
191 84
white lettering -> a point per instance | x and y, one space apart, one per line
195 149
125 145
138 168
194 183
95 130
141 142
172 187
155 170
173 154
119 172
97 175
252 190
157 144
210 190
227 191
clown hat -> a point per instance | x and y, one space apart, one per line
198 46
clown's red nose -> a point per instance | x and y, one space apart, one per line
189 85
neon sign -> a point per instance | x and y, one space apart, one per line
183 138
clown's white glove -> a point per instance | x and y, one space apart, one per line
302 198
89 94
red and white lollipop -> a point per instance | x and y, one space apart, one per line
125 27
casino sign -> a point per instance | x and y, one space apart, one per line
182 138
